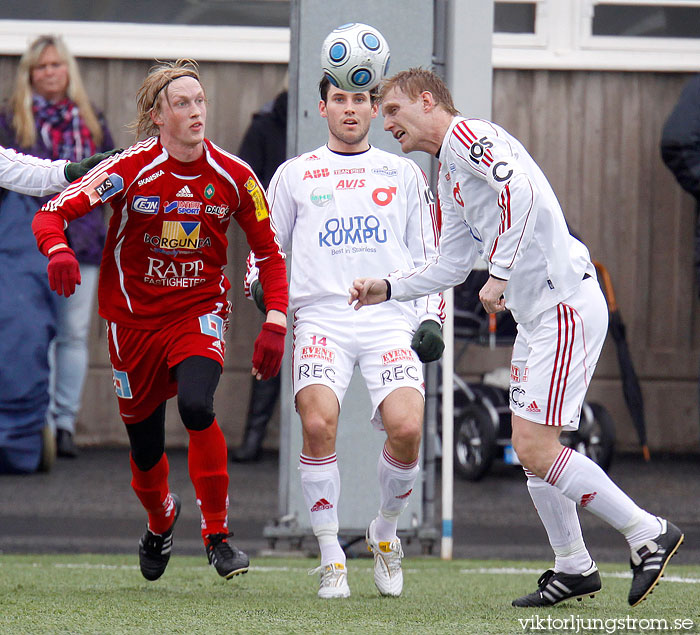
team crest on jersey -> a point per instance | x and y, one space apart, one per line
258 197
397 355
318 352
105 189
209 191
145 204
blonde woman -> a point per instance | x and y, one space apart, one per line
50 116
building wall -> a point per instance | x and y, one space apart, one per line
596 135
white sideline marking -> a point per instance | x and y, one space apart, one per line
603 574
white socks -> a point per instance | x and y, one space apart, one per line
560 520
584 482
396 481
320 484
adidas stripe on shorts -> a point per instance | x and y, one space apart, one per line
554 357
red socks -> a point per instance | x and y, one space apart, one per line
207 459
151 487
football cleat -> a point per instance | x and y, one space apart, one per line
154 549
649 561
388 576
334 581
227 559
554 587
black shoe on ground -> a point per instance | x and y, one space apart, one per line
649 561
250 449
227 560
557 587
65 446
154 549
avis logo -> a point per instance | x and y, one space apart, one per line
316 174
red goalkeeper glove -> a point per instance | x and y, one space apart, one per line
269 349
64 271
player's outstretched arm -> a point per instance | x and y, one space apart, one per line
365 291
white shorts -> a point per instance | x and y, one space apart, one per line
554 357
330 340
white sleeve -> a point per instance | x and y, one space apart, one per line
517 195
422 234
282 216
30 175
454 262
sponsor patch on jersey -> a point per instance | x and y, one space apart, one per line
349 171
105 189
258 197
217 210
397 355
150 178
321 196
385 171
350 184
183 207
178 235
316 174
146 204
318 352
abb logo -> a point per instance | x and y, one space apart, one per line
316 174
350 184
383 195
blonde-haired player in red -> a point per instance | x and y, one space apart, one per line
497 203
163 292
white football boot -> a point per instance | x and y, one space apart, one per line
334 581
387 563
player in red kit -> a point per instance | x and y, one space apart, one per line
163 292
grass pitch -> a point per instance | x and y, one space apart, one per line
106 594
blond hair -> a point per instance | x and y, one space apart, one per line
154 88
415 81
21 99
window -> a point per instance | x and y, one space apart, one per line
597 34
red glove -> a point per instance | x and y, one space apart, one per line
269 349
64 271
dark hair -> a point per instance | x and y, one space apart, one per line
325 84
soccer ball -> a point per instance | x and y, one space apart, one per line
355 57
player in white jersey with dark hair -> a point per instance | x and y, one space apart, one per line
345 207
497 203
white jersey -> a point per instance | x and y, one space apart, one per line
497 203
30 175
344 215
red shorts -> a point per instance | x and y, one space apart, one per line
143 360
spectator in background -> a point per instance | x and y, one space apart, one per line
264 147
27 443
50 116
680 150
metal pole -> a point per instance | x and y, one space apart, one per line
447 427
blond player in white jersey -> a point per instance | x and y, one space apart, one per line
346 207
497 203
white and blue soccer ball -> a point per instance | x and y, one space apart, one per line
355 57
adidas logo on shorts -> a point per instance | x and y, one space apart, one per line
533 407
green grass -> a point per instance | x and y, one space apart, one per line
106 594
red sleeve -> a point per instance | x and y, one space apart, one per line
254 218
48 230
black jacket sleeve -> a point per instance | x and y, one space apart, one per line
680 140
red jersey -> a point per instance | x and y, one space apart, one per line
166 244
